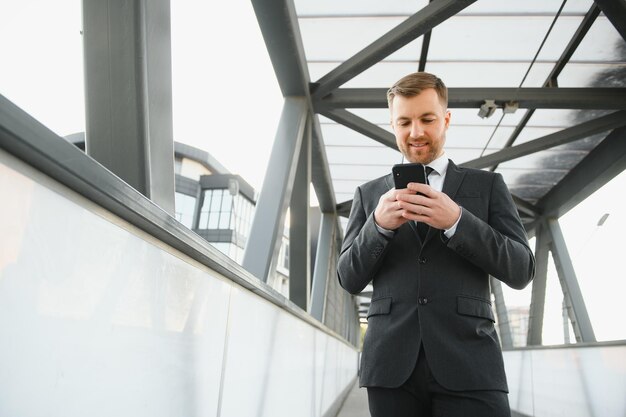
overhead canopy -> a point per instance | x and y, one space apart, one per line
555 71
558 68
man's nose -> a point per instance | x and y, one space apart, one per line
416 130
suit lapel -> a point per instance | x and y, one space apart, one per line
454 178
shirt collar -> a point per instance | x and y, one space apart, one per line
440 165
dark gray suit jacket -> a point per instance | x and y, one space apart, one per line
436 293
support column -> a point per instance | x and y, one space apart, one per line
196 211
322 261
503 318
269 218
577 311
299 231
538 298
128 93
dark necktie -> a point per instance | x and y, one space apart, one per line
422 228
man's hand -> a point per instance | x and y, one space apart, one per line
433 207
389 214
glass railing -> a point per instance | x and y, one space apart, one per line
109 307
586 380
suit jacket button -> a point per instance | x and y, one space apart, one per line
422 260
422 300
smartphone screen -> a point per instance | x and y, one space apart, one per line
406 173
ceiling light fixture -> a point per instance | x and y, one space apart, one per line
487 109
510 107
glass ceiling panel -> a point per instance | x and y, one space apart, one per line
499 38
528 177
526 7
320 37
548 158
339 135
380 117
593 75
454 74
460 155
554 118
558 39
358 7
499 138
585 144
380 75
563 118
407 7
601 43
489 74
471 117
468 136
531 133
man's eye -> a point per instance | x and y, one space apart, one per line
428 120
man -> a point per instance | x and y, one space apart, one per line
431 348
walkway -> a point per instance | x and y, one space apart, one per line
355 404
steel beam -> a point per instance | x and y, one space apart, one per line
279 26
583 330
526 208
579 35
545 98
501 311
570 134
538 297
615 10
466 98
425 46
128 93
321 271
410 29
362 126
299 228
267 225
343 208
320 173
602 164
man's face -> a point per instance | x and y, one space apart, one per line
420 124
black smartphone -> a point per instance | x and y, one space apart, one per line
403 174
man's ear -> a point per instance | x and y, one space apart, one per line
447 118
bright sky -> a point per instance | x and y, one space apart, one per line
227 102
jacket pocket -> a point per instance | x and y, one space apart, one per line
379 306
474 306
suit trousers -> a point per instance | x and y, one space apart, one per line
422 396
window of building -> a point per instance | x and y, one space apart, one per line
185 206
